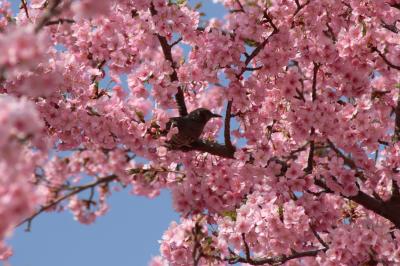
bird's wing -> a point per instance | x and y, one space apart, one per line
174 122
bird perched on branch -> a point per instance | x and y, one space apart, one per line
190 128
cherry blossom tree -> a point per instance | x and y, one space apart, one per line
309 172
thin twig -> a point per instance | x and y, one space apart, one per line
317 236
24 6
349 162
258 49
176 42
75 191
240 5
270 21
96 94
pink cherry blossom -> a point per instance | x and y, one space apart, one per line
302 169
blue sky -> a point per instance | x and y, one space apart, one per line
127 235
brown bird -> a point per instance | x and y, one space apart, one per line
190 128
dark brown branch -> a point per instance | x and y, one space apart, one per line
50 12
310 160
395 5
395 191
387 209
397 109
397 119
166 48
317 236
213 148
99 66
227 129
275 260
24 6
60 21
253 68
246 247
329 33
241 9
314 83
299 7
197 252
390 27
300 95
96 94
382 142
269 20
347 161
258 49
390 64
76 190
253 54
176 42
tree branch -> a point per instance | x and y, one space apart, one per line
391 27
314 83
166 48
299 7
59 21
397 109
310 160
24 6
176 42
390 64
275 260
349 162
389 210
258 49
96 94
317 236
241 9
227 129
397 120
197 252
213 148
51 11
246 248
253 68
76 190
395 5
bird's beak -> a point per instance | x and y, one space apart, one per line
216 115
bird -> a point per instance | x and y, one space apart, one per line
190 128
